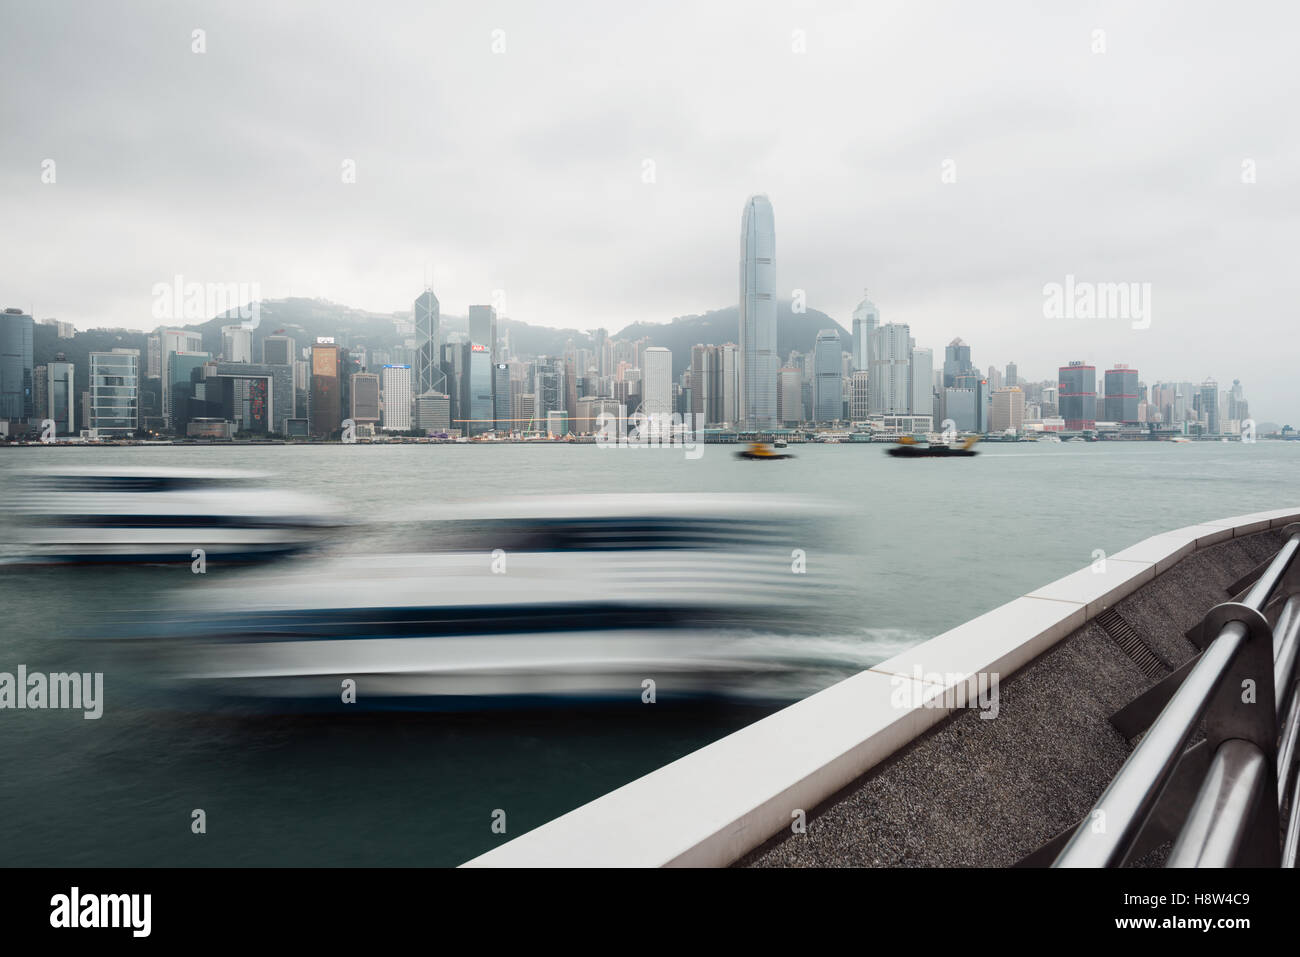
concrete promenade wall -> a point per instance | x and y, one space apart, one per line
885 766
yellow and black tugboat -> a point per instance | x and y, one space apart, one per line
910 448
761 450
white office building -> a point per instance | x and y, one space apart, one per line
395 389
891 383
657 385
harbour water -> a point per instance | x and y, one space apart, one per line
931 543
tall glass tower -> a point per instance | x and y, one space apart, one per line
17 331
828 368
759 362
866 319
428 366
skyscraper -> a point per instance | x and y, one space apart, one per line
891 392
237 343
277 351
481 417
182 386
828 381
759 363
483 328
658 383
1206 402
866 319
922 381
428 366
395 384
326 402
115 391
365 398
172 341
1008 410
16 363
62 402
501 396
956 362
1121 403
1078 396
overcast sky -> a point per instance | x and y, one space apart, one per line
525 170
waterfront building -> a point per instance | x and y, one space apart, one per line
828 377
790 396
365 398
859 396
1008 413
433 413
922 379
891 392
115 392
41 393
183 382
17 362
1121 402
395 396
1077 398
501 397
657 395
325 405
481 417
172 341
61 391
1206 404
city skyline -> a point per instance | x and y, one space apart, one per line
976 180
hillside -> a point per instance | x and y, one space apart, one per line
306 319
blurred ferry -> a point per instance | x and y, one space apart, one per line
524 603
158 515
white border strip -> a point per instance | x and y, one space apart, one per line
714 805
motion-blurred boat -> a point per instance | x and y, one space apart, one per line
159 515
910 448
518 604
761 451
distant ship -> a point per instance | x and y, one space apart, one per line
910 448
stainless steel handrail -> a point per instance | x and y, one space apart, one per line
1222 811
1124 805
1220 817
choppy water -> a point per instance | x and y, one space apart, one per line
931 544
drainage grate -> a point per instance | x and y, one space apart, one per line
1131 643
